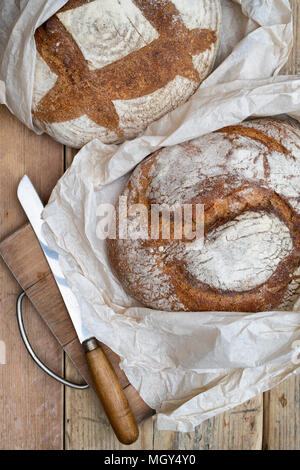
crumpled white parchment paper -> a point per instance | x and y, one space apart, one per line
188 366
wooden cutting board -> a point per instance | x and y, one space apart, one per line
24 257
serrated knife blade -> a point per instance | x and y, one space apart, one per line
33 208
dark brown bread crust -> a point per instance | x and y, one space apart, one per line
80 91
220 207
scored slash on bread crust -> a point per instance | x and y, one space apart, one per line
79 91
243 180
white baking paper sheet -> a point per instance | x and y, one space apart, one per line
188 366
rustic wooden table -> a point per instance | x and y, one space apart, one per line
38 413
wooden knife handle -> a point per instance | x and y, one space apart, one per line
110 393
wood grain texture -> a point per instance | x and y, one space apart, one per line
240 428
31 404
86 425
292 67
282 416
296 13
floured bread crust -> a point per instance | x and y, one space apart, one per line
108 68
248 178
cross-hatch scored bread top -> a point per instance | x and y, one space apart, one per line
171 60
248 178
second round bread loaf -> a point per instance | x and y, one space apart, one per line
248 179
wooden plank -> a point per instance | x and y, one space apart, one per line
293 63
167 440
86 426
240 428
297 35
31 403
282 404
46 298
12 250
282 416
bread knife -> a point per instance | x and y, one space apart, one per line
106 382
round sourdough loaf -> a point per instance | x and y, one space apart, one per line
248 179
108 68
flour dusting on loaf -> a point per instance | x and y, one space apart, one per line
111 67
248 178
242 253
